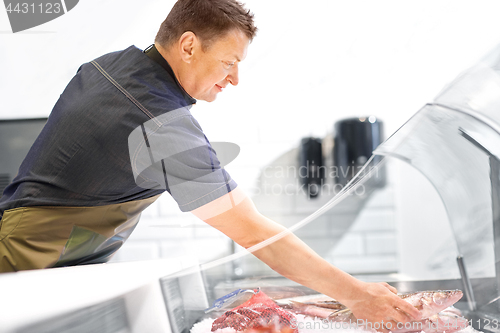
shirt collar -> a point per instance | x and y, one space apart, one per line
153 53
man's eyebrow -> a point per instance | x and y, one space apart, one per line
231 57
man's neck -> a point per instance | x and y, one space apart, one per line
166 53
175 63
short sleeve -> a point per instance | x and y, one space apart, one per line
171 152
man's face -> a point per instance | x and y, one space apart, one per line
216 67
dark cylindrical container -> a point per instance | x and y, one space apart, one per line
354 141
311 169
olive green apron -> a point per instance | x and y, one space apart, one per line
55 236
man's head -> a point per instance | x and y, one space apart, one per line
207 19
204 40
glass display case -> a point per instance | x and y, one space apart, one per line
448 156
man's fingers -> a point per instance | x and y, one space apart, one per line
388 286
400 316
391 325
383 330
391 288
409 309
385 326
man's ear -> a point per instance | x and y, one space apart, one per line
187 45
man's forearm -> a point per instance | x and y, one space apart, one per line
292 258
289 256
295 260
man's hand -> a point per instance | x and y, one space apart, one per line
377 306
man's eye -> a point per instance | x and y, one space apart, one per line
228 64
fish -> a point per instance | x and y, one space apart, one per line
314 311
452 310
428 303
331 304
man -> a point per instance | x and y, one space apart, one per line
121 134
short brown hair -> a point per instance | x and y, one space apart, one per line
207 19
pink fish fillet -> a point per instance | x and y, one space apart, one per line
259 312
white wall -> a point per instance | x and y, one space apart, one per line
312 63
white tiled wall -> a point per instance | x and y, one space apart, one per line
165 232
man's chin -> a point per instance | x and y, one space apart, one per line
209 98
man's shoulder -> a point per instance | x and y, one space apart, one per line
138 76
130 54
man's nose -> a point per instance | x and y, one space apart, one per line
233 77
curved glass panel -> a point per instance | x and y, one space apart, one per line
444 145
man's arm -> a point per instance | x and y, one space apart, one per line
236 216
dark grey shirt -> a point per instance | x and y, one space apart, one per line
89 154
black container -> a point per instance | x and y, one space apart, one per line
354 141
311 169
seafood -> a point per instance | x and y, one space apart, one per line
258 313
320 312
452 310
432 302
269 329
428 303
330 304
